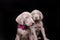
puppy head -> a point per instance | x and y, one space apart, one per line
37 15
25 19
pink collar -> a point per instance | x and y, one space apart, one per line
21 26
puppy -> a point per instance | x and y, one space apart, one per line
38 25
24 18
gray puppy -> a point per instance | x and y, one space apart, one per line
24 18
38 25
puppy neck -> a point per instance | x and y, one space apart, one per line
36 21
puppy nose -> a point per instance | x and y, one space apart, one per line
36 17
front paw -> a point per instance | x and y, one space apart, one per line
46 39
39 37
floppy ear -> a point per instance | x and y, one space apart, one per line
32 13
41 15
19 19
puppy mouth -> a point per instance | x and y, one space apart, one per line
36 20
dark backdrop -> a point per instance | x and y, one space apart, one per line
10 9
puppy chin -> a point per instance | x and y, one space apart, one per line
28 24
31 24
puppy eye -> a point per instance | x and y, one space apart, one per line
40 17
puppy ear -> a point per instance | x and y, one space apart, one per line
19 19
32 13
41 15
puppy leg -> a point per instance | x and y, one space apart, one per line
17 37
19 33
34 33
31 37
43 32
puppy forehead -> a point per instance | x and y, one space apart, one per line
36 12
26 14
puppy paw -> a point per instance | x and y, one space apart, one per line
46 39
39 37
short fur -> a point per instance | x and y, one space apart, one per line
24 18
38 25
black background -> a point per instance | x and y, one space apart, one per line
10 9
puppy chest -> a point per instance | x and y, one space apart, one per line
37 27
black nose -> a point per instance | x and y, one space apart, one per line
36 17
